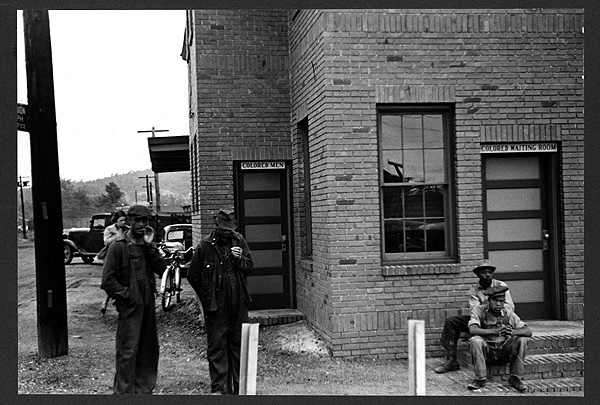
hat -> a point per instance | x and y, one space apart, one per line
495 291
139 211
225 219
484 264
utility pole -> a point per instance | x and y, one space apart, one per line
22 184
47 207
148 188
154 131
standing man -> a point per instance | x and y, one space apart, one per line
499 337
454 325
131 263
217 274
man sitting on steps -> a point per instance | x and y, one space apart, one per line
454 325
499 337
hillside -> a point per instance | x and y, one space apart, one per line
175 187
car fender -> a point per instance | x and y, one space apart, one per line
71 244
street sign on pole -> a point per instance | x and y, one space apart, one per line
22 124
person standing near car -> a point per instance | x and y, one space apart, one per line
217 273
111 233
129 272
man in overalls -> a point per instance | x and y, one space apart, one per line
217 274
131 263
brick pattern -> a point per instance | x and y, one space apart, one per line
241 100
512 75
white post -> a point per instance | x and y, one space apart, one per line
248 359
416 357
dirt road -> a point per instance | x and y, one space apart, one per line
291 358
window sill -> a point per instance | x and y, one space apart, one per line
419 269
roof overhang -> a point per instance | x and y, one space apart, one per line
169 153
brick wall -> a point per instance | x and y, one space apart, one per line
513 75
241 100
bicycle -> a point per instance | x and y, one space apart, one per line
170 284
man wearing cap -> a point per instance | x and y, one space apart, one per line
217 273
455 325
131 263
499 337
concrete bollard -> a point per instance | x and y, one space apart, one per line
416 357
248 359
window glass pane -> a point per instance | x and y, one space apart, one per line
433 131
261 181
394 237
175 235
265 284
413 166
412 132
434 165
404 236
517 260
263 233
513 199
392 202
526 290
434 201
262 207
510 168
413 202
391 137
435 234
392 166
513 230
266 258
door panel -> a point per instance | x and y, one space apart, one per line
517 224
262 198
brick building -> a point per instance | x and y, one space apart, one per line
374 156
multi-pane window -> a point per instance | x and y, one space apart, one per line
416 183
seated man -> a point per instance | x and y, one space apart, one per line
499 337
454 325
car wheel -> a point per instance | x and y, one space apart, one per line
68 253
87 259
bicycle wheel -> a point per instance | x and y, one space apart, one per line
167 289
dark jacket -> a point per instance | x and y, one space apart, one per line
115 277
206 269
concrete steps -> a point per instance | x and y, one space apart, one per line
268 317
554 363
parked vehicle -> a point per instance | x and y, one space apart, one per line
86 242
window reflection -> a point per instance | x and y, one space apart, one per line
414 219
414 188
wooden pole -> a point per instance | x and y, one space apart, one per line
248 359
46 192
416 357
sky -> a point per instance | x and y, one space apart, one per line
116 72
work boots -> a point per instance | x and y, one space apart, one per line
451 364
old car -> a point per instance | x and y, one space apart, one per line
86 242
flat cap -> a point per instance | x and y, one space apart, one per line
139 211
496 291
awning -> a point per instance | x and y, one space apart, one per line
169 153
